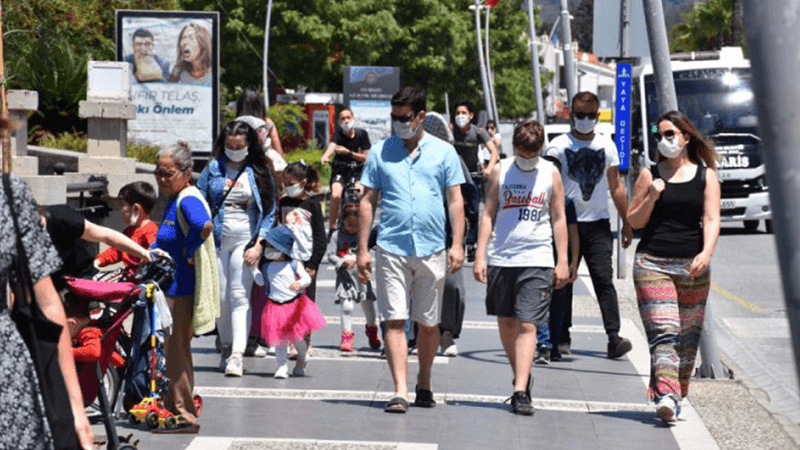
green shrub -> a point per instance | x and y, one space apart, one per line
77 142
287 118
312 156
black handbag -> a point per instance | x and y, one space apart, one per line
41 335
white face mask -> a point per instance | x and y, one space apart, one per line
294 190
462 120
526 164
272 253
404 130
670 148
347 126
584 126
236 155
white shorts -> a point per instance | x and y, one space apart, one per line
404 283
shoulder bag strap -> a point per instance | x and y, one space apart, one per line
25 289
222 200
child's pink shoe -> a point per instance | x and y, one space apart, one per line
347 341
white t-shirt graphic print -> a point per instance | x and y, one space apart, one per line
584 168
523 233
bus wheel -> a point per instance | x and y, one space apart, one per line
750 225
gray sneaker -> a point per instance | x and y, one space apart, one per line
234 368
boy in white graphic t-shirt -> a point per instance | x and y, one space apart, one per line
524 212
589 166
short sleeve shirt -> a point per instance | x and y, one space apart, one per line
66 227
466 145
585 165
356 144
412 190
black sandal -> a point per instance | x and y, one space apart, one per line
424 398
397 405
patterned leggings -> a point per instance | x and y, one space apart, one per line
672 309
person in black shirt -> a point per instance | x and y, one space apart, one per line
349 144
70 232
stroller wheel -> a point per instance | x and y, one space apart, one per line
152 420
126 447
198 404
171 423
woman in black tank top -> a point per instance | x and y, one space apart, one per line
677 207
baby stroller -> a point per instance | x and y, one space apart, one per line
121 299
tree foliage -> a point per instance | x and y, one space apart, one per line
433 41
48 44
708 26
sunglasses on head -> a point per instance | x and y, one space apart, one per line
402 119
669 134
582 116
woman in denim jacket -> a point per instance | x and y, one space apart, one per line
242 219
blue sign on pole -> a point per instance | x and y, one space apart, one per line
622 115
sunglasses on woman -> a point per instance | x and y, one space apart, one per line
669 134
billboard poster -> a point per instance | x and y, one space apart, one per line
174 59
368 91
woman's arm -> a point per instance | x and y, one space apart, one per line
199 223
305 278
275 139
711 220
50 304
645 193
113 238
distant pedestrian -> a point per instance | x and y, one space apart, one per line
677 205
289 314
349 145
524 214
412 172
468 137
589 161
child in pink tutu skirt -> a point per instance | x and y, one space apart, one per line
289 314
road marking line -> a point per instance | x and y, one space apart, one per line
227 443
477 325
452 398
728 295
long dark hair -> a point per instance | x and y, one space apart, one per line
250 103
302 171
699 149
256 158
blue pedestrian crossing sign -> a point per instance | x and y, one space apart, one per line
622 115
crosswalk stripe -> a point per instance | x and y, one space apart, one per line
449 398
226 443
478 325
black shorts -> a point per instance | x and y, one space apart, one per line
520 292
342 176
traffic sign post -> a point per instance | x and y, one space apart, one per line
622 115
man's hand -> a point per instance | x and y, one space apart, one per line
364 262
479 270
349 263
324 160
455 258
341 150
561 275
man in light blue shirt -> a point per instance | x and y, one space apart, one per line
412 172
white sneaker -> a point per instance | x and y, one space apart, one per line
299 369
282 373
451 351
665 408
234 367
260 352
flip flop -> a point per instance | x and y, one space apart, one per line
396 405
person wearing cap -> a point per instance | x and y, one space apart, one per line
289 315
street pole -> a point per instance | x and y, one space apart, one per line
773 42
447 105
481 62
569 56
489 75
266 53
659 53
5 136
625 53
537 80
